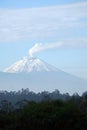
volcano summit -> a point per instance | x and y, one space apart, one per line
27 65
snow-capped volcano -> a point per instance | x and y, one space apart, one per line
29 65
38 75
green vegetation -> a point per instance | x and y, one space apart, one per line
47 114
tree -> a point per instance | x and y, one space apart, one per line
6 106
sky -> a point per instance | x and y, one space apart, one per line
53 30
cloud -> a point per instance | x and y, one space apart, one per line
41 23
42 47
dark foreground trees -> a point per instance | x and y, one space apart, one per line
46 115
24 110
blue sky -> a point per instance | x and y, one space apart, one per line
33 3
61 24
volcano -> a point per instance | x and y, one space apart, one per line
37 75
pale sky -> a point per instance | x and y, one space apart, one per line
58 29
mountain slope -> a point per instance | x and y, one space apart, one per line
40 81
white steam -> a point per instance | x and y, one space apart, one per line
42 47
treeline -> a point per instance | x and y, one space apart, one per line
14 96
49 112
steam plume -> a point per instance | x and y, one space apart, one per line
42 47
